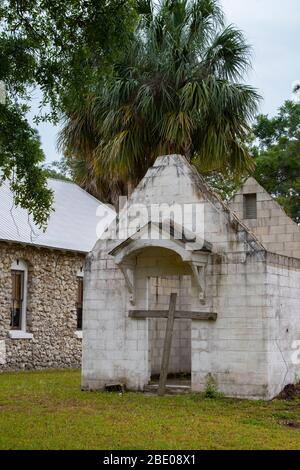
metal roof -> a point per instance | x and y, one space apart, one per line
74 224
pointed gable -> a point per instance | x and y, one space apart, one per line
173 181
272 226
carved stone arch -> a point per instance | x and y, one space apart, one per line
139 245
124 258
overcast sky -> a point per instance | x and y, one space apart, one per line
272 27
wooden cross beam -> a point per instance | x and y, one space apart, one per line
143 314
171 315
167 346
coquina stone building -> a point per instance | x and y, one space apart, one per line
41 278
235 269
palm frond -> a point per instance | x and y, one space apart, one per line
179 88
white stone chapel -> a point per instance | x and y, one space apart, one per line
235 269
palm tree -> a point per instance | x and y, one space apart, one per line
78 140
178 89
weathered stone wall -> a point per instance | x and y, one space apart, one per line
115 347
283 313
233 350
253 350
236 350
277 232
119 348
51 309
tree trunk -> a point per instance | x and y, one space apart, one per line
130 188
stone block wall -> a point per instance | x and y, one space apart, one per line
115 347
233 350
51 309
253 350
237 350
283 314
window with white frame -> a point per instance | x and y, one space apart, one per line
19 279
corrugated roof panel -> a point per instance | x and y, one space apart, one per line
71 226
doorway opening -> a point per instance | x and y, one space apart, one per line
159 290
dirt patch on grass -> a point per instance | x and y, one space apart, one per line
291 424
290 392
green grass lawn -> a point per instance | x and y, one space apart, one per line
47 410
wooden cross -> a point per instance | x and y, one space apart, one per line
171 315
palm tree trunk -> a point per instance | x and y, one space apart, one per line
130 188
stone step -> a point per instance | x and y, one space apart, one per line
171 389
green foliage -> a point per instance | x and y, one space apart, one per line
211 388
20 159
278 156
62 47
279 129
178 89
58 170
225 184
